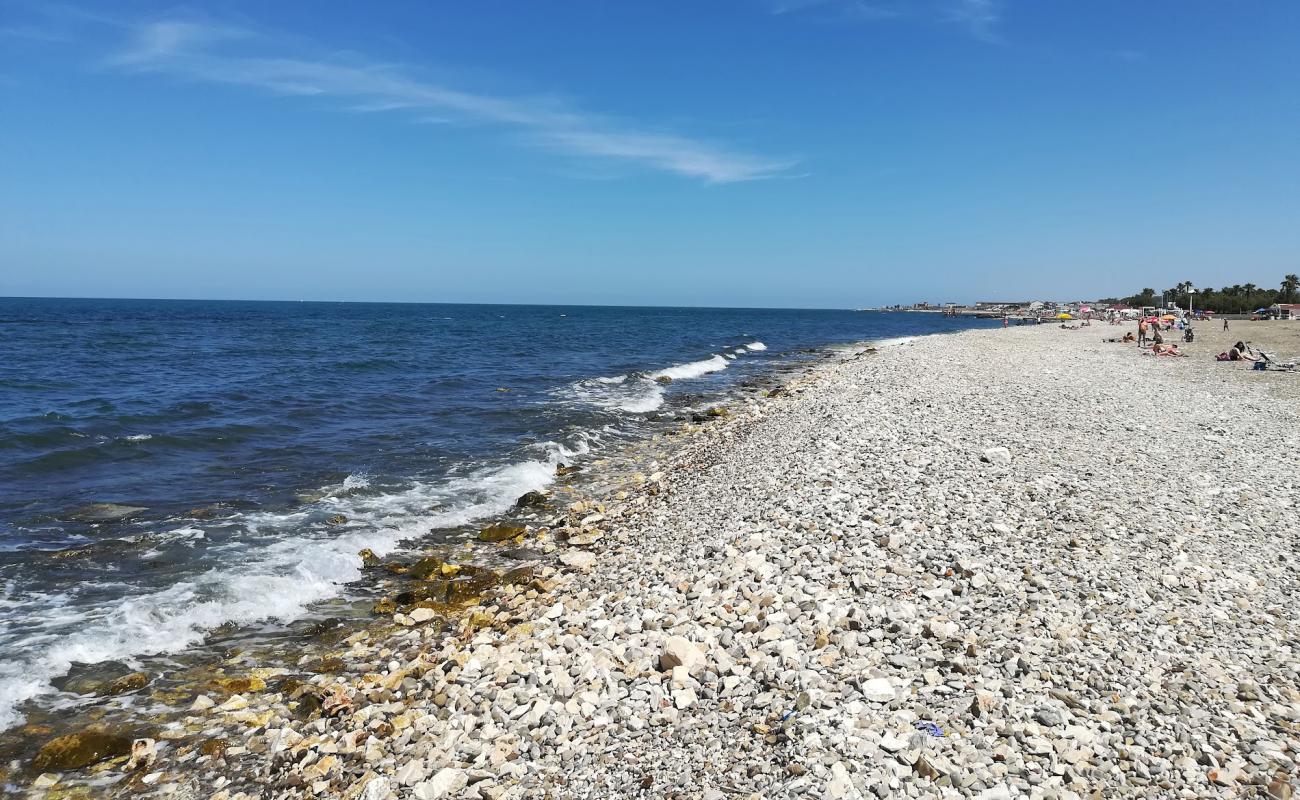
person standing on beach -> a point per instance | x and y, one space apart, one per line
1225 323
1142 333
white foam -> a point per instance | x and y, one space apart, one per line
756 346
305 562
138 437
694 369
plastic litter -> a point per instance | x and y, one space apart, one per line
930 728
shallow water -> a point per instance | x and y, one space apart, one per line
246 431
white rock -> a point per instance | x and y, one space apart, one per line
410 773
376 789
680 652
446 782
996 455
202 703
580 560
840 784
878 690
422 614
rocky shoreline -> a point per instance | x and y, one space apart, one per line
981 564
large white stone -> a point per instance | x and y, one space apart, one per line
680 652
878 690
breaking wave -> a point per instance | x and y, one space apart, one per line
302 560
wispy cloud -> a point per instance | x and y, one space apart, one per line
980 18
221 54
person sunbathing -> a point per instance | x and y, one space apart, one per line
1129 337
1239 352
1165 350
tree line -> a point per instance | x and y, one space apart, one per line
1240 298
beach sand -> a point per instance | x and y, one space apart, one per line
993 564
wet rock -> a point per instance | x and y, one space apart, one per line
519 575
214 748
532 500
77 750
143 753
500 532
104 512
127 683
239 685
368 558
426 568
337 519
562 470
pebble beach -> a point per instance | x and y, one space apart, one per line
993 564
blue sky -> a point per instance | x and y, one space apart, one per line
719 152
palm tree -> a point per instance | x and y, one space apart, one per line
1289 284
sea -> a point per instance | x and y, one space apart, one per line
256 447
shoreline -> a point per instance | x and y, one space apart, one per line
840 564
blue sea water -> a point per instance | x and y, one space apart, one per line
243 429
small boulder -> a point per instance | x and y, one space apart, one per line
77 750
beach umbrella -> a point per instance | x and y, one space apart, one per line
1085 309
1063 315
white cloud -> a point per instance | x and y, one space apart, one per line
220 54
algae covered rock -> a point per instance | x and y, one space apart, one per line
426 568
127 683
81 749
500 532
241 685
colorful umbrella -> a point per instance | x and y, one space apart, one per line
1063 315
